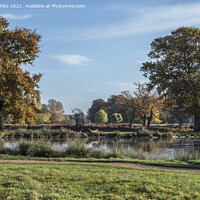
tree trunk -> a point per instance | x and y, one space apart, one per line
180 122
1 114
1 122
148 123
196 123
150 118
144 121
131 119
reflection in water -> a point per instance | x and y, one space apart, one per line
156 147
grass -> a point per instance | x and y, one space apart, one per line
48 133
193 164
77 181
44 133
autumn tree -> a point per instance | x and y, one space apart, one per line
148 104
173 69
56 110
19 91
101 116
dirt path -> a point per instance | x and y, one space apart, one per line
111 164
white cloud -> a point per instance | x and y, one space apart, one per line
15 17
75 60
145 20
121 86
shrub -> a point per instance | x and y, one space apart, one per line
36 149
42 149
23 147
46 131
188 156
3 148
77 148
98 153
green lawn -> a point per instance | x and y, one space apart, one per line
78 181
193 164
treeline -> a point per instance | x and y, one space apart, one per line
141 106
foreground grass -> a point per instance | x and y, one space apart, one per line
193 164
76 181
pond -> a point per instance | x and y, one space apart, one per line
155 148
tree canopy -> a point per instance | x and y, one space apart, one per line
173 68
101 116
56 110
116 118
19 90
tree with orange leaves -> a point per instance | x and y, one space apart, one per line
19 91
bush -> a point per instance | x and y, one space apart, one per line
3 148
41 149
188 156
77 148
23 147
21 132
98 153
36 149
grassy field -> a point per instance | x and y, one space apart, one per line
77 181
192 164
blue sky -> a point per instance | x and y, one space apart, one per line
97 51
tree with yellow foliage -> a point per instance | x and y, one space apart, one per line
19 93
148 104
143 104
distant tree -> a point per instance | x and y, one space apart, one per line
44 114
19 91
128 101
96 106
116 118
56 110
79 117
44 118
148 104
114 105
101 116
67 119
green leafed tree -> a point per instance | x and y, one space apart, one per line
116 118
173 69
97 104
19 90
101 116
44 115
79 117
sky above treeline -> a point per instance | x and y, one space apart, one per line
96 51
